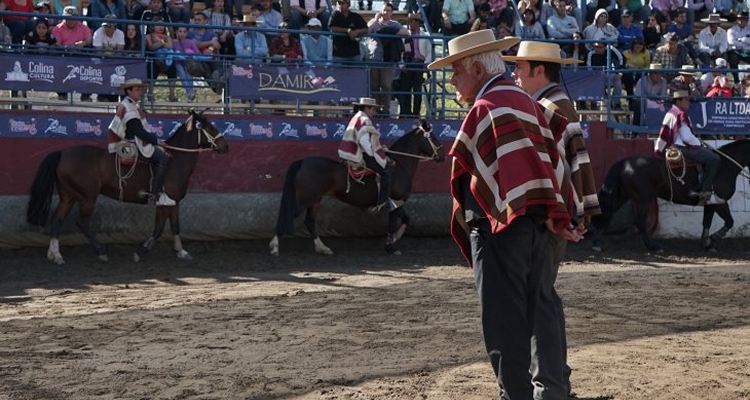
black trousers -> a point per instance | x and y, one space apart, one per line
412 77
509 269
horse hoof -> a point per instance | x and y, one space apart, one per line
103 258
184 255
275 252
596 249
712 250
325 251
55 258
136 257
391 249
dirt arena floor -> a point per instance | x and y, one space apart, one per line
236 323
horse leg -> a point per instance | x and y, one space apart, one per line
726 215
85 209
641 214
397 224
320 247
174 226
159 221
53 252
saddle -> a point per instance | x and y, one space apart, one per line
357 171
675 159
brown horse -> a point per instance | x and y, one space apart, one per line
309 179
81 173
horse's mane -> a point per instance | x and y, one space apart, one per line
181 126
400 142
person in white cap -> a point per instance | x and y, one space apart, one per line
316 49
361 147
717 81
538 68
507 201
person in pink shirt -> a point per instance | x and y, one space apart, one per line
73 36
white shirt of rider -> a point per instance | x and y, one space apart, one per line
366 144
685 137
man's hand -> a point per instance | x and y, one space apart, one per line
570 233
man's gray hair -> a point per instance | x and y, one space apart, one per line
491 60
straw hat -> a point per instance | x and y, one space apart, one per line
109 23
689 70
414 16
133 82
249 20
680 94
713 19
655 67
366 102
540 51
473 43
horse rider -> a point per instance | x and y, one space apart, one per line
130 124
677 131
361 146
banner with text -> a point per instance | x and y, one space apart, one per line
69 74
709 115
297 82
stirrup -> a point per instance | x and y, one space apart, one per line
165 201
702 195
714 199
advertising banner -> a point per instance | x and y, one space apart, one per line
68 74
583 85
709 115
292 82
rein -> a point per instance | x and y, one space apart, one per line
730 159
210 139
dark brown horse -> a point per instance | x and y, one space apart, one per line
81 173
642 179
311 178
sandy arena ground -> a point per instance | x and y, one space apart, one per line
237 323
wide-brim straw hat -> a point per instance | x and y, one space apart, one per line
689 70
473 43
414 16
655 67
366 102
680 94
133 82
540 51
249 19
713 19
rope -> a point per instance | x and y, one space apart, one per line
673 175
166 146
423 158
122 178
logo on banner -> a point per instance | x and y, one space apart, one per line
118 78
340 129
86 74
447 131
21 126
158 129
313 130
230 129
17 75
238 70
287 130
56 127
88 127
260 130
394 130
300 83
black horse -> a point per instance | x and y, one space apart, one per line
311 178
644 178
82 173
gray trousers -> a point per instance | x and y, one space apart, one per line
509 268
550 373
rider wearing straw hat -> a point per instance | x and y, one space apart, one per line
130 124
507 201
537 71
361 146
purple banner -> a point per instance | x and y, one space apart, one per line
92 126
710 115
583 85
69 74
291 82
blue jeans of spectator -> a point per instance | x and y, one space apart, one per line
297 20
19 29
179 14
616 83
185 78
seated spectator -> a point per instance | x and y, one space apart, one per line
6 38
304 10
186 65
529 28
578 50
231 7
72 36
665 11
652 33
285 47
216 16
18 25
136 8
600 29
40 40
560 25
718 82
250 45
159 49
635 58
102 8
628 31
269 18
179 11
593 7
699 9
672 55
712 40
738 39
745 87
542 11
650 91
316 48
154 12
503 31
685 81
684 32
500 12
599 57
133 40
638 10
483 19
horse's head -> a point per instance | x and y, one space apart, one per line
430 146
208 136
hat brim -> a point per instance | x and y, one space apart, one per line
707 21
498 45
566 61
367 105
689 73
131 85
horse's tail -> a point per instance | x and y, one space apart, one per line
37 211
288 206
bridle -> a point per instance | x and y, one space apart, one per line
435 147
202 132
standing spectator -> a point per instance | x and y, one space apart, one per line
628 31
672 54
216 16
108 40
346 48
303 10
269 18
179 11
561 25
712 40
652 33
458 15
19 25
717 82
250 45
529 28
502 226
316 48
103 8
650 92
186 50
417 52
698 8
59 6
609 59
685 81
600 29
73 36
636 58
738 39
383 52
684 32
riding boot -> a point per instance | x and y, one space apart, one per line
159 170
385 189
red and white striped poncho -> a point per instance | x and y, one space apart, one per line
672 123
506 145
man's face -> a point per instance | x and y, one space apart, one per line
560 7
466 81
265 4
387 12
200 19
599 48
526 77
155 5
713 27
627 20
654 76
135 93
681 18
742 22
683 103
343 5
